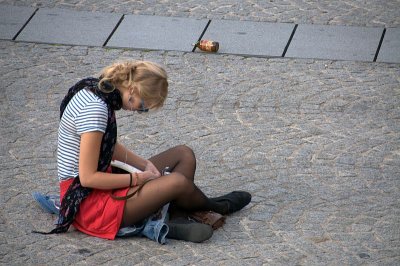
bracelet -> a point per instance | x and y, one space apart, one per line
130 180
136 179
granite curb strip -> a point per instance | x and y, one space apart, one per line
261 39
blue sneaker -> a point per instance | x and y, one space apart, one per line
49 203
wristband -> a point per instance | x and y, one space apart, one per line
136 179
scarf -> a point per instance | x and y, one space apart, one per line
76 193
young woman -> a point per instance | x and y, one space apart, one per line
87 142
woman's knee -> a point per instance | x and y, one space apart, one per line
186 152
180 183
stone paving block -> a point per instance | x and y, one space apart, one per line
335 42
390 49
12 19
157 33
249 38
63 26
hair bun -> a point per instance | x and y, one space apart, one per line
107 86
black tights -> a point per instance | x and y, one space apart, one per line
177 188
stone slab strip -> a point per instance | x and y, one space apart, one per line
249 38
335 42
390 49
157 33
61 26
12 19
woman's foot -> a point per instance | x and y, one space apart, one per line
233 201
188 230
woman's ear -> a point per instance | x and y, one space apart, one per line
131 90
134 90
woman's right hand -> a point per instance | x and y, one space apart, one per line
145 176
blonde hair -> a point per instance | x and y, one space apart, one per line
149 79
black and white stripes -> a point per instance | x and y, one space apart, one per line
86 112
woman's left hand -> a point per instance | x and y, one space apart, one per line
151 168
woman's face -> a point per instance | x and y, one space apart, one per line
131 101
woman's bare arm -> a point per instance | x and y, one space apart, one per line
122 154
88 160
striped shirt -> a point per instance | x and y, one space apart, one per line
85 112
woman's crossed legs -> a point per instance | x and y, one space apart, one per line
177 188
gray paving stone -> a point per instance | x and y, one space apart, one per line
249 38
12 19
335 42
69 27
324 12
390 49
157 33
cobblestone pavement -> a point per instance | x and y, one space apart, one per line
342 12
316 142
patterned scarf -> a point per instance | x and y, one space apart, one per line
76 193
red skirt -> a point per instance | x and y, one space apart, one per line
99 214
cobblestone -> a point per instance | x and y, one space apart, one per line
315 142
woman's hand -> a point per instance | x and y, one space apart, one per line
145 176
152 169
150 172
